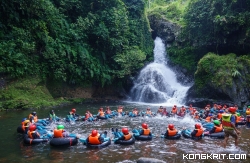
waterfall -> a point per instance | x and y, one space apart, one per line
157 83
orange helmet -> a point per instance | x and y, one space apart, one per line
32 128
144 125
171 126
197 126
94 132
232 109
125 131
73 110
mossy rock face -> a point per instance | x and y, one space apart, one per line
225 77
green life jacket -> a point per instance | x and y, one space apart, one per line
226 121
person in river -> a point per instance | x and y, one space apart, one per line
228 122
25 125
145 130
124 135
60 132
149 112
196 116
95 138
248 118
52 116
32 134
160 110
171 131
217 127
174 110
88 116
165 113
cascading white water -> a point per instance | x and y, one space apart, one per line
157 83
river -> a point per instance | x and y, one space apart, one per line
13 150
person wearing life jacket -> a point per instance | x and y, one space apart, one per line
108 110
32 134
217 127
124 135
165 113
248 118
219 115
209 117
160 110
25 125
197 132
135 112
120 109
145 130
95 138
59 132
148 112
88 116
174 110
171 131
193 112
190 108
33 117
52 116
248 108
196 115
228 123
101 113
182 111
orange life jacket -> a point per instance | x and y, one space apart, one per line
199 132
183 109
94 139
197 117
219 116
148 112
218 128
191 109
30 134
208 119
87 115
128 136
135 112
174 110
146 131
238 119
58 133
101 113
172 132
119 110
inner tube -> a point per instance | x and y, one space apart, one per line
143 137
187 135
126 142
219 135
20 130
100 117
177 136
63 142
29 141
241 123
104 144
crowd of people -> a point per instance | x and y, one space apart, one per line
224 118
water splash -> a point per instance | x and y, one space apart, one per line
157 83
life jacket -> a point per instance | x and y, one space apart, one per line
128 136
196 117
119 110
226 121
183 109
146 131
191 109
52 116
218 128
58 133
219 116
101 113
87 115
199 132
32 132
174 110
248 109
135 112
148 112
208 119
94 139
172 132
192 113
238 119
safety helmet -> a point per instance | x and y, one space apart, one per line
73 110
33 113
94 132
24 119
125 131
232 109
210 114
247 112
217 122
238 114
197 126
59 127
32 128
171 126
144 125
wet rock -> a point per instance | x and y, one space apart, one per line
149 160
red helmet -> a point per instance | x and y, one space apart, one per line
171 126
232 109
32 128
94 132
144 125
197 126
125 131
73 110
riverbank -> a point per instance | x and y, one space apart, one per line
34 93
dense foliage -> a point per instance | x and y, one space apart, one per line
74 41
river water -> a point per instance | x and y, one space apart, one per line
13 150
